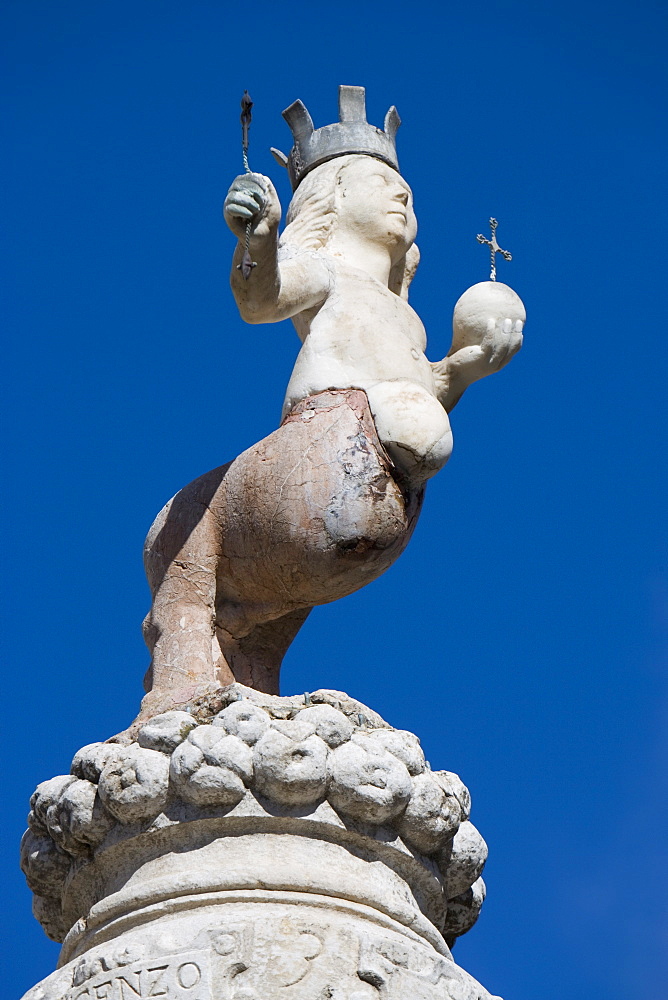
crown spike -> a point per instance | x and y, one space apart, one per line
350 135
299 120
352 104
392 122
280 157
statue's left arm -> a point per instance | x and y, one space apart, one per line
486 333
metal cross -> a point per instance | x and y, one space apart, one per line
494 247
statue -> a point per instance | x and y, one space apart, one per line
327 502
234 843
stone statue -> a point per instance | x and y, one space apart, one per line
328 501
233 843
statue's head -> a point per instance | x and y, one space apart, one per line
363 196
346 179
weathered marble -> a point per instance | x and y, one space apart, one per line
240 556
269 842
328 501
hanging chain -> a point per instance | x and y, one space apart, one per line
247 263
494 248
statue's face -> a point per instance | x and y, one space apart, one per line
375 202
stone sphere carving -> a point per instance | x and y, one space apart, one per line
90 761
50 915
463 858
291 765
431 817
285 752
367 782
43 798
243 719
44 866
166 732
463 911
78 820
134 786
211 767
404 745
453 786
328 723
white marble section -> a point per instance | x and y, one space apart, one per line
273 843
341 271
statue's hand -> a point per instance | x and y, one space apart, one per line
486 333
501 341
487 329
252 198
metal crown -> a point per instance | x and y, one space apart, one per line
351 134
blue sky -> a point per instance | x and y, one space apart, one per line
522 635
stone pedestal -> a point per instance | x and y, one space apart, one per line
256 847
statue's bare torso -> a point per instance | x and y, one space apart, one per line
346 346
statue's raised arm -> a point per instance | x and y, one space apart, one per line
278 290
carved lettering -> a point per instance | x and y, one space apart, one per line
88 967
236 969
395 967
223 942
124 983
156 973
174 977
188 975
373 966
292 955
234 941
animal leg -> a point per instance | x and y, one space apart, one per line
255 658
